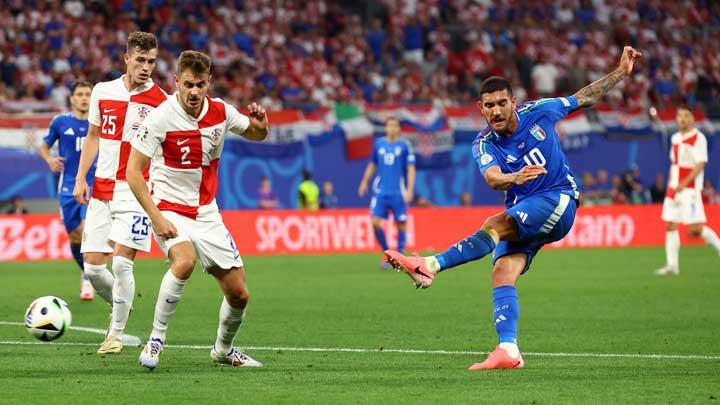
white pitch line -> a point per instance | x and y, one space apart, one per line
129 340
404 351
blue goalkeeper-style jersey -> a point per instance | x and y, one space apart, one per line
391 160
70 133
534 142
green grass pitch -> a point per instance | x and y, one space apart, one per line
573 302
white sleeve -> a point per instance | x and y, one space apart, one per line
94 111
700 150
236 122
150 134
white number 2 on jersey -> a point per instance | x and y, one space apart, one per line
185 152
535 157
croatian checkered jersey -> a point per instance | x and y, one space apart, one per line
686 151
185 154
118 113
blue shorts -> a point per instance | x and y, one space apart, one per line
380 204
71 212
542 218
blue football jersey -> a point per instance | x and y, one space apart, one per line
391 160
70 134
534 142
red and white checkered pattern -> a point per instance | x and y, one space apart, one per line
185 153
687 150
118 113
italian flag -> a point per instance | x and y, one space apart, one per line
357 129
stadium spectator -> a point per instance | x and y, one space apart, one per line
17 206
422 202
266 197
465 199
603 188
308 193
709 194
617 193
657 191
589 194
328 199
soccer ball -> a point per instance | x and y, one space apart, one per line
47 318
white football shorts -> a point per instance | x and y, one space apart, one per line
686 208
213 243
123 222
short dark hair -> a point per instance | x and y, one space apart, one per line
306 174
78 84
197 62
684 106
392 118
495 83
143 41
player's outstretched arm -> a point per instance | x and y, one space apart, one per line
137 162
369 172
498 180
89 152
258 129
593 92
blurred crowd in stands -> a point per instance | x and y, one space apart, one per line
305 54
629 188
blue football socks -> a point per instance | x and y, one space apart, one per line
473 247
506 313
401 240
75 249
380 236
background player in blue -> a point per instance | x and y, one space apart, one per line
394 162
519 153
69 130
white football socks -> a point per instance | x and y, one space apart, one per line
101 279
230 321
171 290
123 291
672 249
711 238
432 263
511 349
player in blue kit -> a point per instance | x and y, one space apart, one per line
394 162
69 130
519 153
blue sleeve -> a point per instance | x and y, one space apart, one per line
556 108
410 159
52 136
485 155
375 158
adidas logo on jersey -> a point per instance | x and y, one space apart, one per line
69 131
511 159
523 215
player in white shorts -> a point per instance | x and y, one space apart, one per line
683 200
183 138
115 223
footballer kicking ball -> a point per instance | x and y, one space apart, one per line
47 318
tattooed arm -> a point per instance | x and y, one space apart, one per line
593 92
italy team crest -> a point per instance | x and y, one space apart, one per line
537 132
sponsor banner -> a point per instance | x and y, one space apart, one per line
42 236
